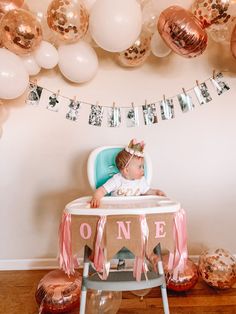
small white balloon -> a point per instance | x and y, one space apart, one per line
158 46
14 78
30 65
78 62
46 55
115 25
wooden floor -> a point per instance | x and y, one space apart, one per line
17 290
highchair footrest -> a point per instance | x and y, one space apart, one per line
123 281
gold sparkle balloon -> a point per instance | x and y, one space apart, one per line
8 5
137 54
69 19
20 32
182 32
210 12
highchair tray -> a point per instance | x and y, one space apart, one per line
126 205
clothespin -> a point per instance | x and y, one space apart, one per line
164 98
114 105
145 102
184 91
132 105
57 94
74 99
213 74
34 81
197 83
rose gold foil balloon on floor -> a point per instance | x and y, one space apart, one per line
182 32
20 32
58 293
8 5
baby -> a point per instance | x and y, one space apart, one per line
130 180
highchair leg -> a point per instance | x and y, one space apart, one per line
85 275
163 286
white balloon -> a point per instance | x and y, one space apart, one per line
30 65
115 24
158 46
14 78
46 55
78 62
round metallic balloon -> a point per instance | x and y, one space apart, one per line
8 5
20 32
233 42
137 54
182 32
68 19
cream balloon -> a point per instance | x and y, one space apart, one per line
30 65
14 78
158 46
78 62
46 55
115 24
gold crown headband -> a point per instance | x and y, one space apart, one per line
135 149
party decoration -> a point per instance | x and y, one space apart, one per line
89 4
217 268
149 114
167 109
211 12
20 31
96 115
182 32
53 102
185 101
158 46
137 54
8 5
219 84
114 117
115 25
30 64
73 111
78 62
68 19
150 13
233 42
4 112
46 55
58 293
202 93
132 117
106 302
14 78
34 94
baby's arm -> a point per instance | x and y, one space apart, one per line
99 193
155 192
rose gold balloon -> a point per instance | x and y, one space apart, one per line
210 12
68 19
8 5
233 42
20 32
182 32
137 54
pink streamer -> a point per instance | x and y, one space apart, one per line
65 245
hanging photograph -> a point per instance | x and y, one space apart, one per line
96 115
149 114
34 94
185 101
113 117
73 112
202 93
53 102
131 115
220 85
167 109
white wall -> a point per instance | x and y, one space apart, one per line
43 156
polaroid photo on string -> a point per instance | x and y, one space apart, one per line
113 117
73 110
131 116
185 101
34 94
53 102
202 93
149 114
220 85
96 115
167 109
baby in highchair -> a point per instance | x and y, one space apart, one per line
130 180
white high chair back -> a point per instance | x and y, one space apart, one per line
101 165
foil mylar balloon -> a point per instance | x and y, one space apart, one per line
218 268
210 12
68 19
182 32
58 293
8 5
137 54
20 32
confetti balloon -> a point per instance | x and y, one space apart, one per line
20 31
137 54
211 12
221 33
182 32
218 268
8 5
68 19
58 293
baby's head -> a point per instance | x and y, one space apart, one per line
130 161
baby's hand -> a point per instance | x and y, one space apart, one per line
95 202
160 193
